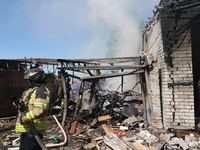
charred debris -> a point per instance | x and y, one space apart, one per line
104 119
162 114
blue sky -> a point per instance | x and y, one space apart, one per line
69 29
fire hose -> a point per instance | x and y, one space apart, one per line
36 135
18 103
40 142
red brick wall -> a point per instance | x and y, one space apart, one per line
12 83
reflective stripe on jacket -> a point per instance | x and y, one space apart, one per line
37 103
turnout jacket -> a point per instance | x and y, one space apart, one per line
36 101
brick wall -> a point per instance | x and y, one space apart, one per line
12 83
153 45
178 100
172 49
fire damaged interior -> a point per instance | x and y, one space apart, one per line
160 110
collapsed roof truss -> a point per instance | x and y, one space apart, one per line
89 66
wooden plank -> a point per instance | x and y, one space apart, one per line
8 118
86 136
99 60
102 118
108 131
95 143
111 75
107 128
65 98
153 148
92 61
73 127
140 146
104 67
185 7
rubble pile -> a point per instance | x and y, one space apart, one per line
115 121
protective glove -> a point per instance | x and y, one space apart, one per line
21 118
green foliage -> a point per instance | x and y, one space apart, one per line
141 25
112 42
114 36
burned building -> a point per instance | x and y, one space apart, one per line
172 38
167 67
167 71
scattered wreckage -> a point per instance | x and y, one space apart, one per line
115 122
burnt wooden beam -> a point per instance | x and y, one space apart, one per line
72 60
102 59
73 76
89 61
111 75
23 61
63 79
186 7
88 70
114 61
104 67
89 73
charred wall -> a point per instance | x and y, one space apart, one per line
168 38
12 84
153 46
195 32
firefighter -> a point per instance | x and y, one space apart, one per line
36 101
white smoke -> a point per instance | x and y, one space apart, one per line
86 24
115 14
80 29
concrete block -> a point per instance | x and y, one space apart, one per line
188 93
130 120
139 141
6 143
189 114
172 143
193 144
191 96
188 139
182 144
169 136
172 147
143 134
188 72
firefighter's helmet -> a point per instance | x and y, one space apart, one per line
35 75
